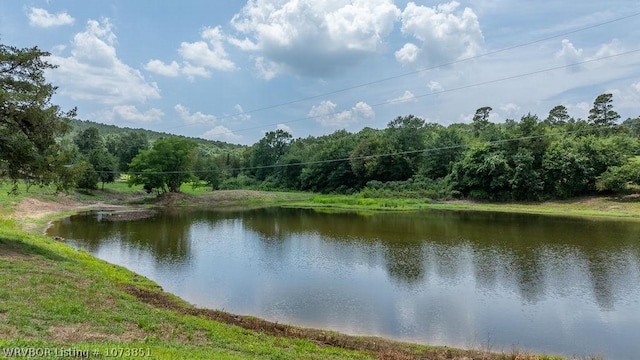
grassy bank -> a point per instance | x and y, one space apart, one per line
594 207
55 298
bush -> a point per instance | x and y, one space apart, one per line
415 187
88 179
239 182
617 178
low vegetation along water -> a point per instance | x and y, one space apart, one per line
495 281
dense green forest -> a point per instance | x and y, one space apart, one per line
533 158
106 130
529 159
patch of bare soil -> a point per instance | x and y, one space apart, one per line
629 198
34 208
216 198
8 253
172 199
235 195
381 348
31 209
8 331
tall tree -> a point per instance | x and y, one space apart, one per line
368 164
127 146
88 140
206 169
326 174
166 166
29 122
602 113
406 134
481 120
449 148
632 126
104 164
268 151
483 173
558 116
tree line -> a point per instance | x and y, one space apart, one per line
532 158
526 159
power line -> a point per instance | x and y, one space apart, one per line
412 151
446 90
418 96
489 53
453 89
366 157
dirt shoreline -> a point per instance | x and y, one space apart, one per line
30 210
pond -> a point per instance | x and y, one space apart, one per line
494 281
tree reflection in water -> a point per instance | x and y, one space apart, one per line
436 275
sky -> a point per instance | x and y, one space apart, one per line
232 70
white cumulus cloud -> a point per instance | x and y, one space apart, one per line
132 114
198 58
209 52
284 128
222 133
195 118
570 55
435 86
129 113
626 97
446 34
408 54
158 67
578 110
267 69
314 38
509 108
612 48
325 113
39 17
93 72
240 114
404 98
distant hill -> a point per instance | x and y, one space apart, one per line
104 129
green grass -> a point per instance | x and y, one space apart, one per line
595 207
359 203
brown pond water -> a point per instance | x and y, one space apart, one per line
488 280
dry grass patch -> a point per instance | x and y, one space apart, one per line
75 333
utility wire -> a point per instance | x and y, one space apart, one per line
445 91
489 53
389 102
367 157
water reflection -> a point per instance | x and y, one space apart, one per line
166 236
541 283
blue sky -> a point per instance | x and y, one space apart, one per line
231 70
